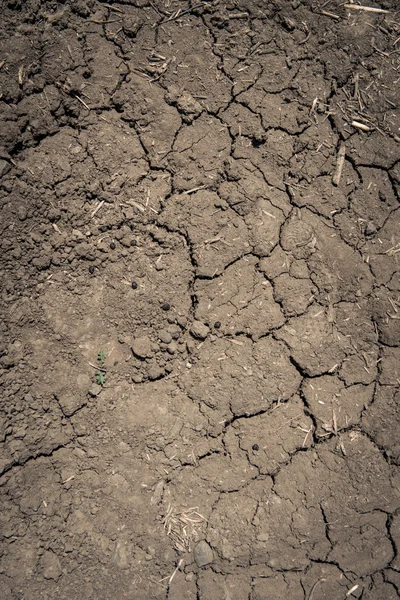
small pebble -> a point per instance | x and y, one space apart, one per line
255 447
176 335
133 242
203 554
370 230
217 324
166 306
134 285
112 246
165 336
91 269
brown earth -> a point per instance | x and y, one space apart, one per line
200 337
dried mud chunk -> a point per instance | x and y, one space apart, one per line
350 228
281 378
271 438
299 269
240 299
295 295
5 167
281 523
332 582
336 269
106 68
381 421
380 589
277 585
157 120
276 110
276 263
235 586
167 419
142 347
142 201
42 262
312 492
264 222
217 238
314 343
308 88
231 192
311 159
235 544
237 377
334 405
364 546
390 367
353 320
226 473
199 152
70 401
241 121
321 195
375 150
298 237
114 148
360 368
374 199
184 101
276 74
395 533
202 75
385 318
383 254
85 251
247 191
51 162
265 157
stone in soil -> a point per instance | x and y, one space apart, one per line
203 554
199 330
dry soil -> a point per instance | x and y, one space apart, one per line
200 336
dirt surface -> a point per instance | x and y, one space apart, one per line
200 299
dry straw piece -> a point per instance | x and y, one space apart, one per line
182 526
367 9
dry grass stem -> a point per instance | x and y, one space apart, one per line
339 165
367 8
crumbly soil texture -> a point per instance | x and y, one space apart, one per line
200 300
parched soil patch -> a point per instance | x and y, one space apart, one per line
200 300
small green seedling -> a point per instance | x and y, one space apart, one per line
100 377
101 373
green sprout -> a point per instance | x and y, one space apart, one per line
100 377
101 373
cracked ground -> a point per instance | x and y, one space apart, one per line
200 335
